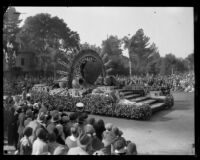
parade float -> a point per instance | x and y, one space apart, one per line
86 80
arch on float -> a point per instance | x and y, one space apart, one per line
83 64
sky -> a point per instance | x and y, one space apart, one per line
170 28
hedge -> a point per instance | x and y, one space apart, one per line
94 104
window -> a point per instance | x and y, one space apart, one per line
22 61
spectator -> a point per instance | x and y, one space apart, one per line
83 142
40 146
120 147
71 141
131 149
25 143
99 128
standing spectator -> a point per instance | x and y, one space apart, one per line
25 143
83 142
39 145
99 128
71 141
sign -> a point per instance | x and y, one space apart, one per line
75 92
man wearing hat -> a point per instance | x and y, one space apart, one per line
54 121
79 108
83 142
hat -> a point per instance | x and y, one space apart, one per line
55 116
60 150
109 138
116 131
79 105
84 140
89 129
109 126
120 146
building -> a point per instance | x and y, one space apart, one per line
25 60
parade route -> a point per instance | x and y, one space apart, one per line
168 132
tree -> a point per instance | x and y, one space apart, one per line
171 64
94 47
189 60
111 52
112 46
10 29
47 36
141 53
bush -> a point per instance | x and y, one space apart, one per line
95 104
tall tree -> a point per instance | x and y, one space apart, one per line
190 61
140 51
47 36
111 51
10 29
112 46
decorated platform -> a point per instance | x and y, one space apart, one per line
88 81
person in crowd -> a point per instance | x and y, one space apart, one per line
67 127
119 147
131 149
60 137
40 145
37 123
54 120
91 121
108 141
99 128
71 141
82 144
25 143
96 144
52 143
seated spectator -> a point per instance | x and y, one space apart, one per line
83 142
39 145
131 149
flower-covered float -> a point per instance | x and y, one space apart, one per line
87 82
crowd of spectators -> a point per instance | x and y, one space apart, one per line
36 129
176 82
27 81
